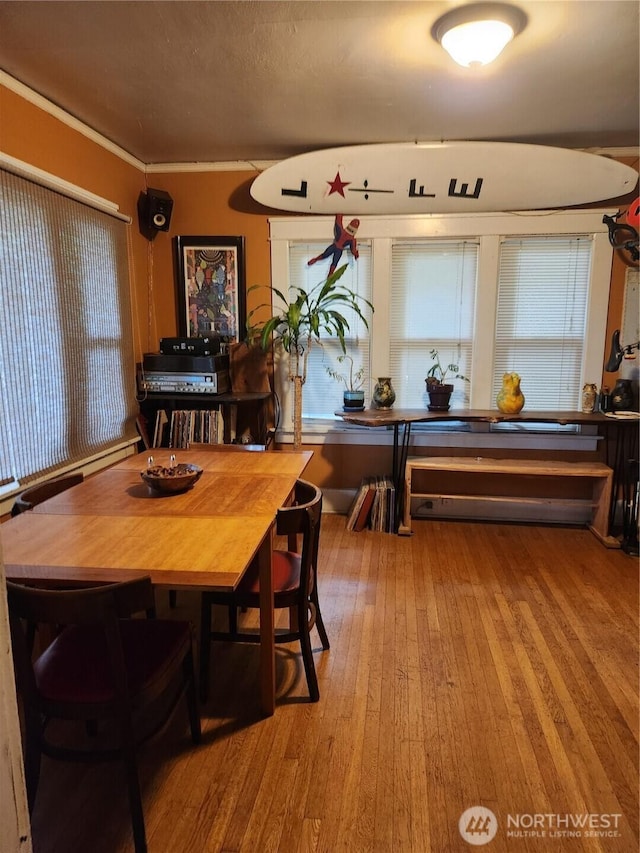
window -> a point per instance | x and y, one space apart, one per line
543 291
491 292
66 352
321 393
433 289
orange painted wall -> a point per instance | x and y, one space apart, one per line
205 204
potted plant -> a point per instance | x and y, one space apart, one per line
301 320
438 389
353 381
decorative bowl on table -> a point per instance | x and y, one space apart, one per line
171 481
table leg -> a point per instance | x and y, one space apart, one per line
400 453
267 641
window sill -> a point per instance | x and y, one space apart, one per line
480 436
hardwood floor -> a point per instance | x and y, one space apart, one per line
470 665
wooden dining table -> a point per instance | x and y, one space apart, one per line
112 527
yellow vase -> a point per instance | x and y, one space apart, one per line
510 399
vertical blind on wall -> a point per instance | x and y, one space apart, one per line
66 349
543 291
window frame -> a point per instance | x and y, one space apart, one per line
489 229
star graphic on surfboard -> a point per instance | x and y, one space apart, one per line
337 185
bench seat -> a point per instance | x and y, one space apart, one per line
600 475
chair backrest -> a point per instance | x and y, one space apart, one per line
303 517
84 605
43 491
102 606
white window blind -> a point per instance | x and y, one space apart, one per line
322 395
543 291
66 349
432 306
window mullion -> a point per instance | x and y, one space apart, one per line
381 301
484 333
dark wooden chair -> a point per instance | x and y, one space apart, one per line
102 668
295 587
35 495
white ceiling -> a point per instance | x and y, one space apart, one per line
180 82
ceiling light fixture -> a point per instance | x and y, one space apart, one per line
477 33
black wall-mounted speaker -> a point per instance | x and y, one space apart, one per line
154 212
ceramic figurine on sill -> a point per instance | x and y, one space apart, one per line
510 399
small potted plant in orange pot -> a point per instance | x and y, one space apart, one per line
438 389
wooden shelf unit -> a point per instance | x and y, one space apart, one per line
600 474
252 410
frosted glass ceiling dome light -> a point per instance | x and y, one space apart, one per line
476 34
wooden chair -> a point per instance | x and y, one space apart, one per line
102 666
295 588
43 491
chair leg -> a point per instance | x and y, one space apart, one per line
233 619
133 785
205 646
32 757
322 631
307 658
189 672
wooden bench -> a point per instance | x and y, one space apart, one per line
601 475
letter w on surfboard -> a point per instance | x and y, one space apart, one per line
440 177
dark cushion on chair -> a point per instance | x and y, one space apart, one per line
75 667
286 574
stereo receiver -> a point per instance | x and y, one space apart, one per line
157 382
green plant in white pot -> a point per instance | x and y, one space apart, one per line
303 319
353 381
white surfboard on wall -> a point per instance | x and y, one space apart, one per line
440 177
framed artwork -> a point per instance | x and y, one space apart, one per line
210 279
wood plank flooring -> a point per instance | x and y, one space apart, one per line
471 665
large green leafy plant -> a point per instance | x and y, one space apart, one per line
303 318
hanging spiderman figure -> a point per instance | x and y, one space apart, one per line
344 238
